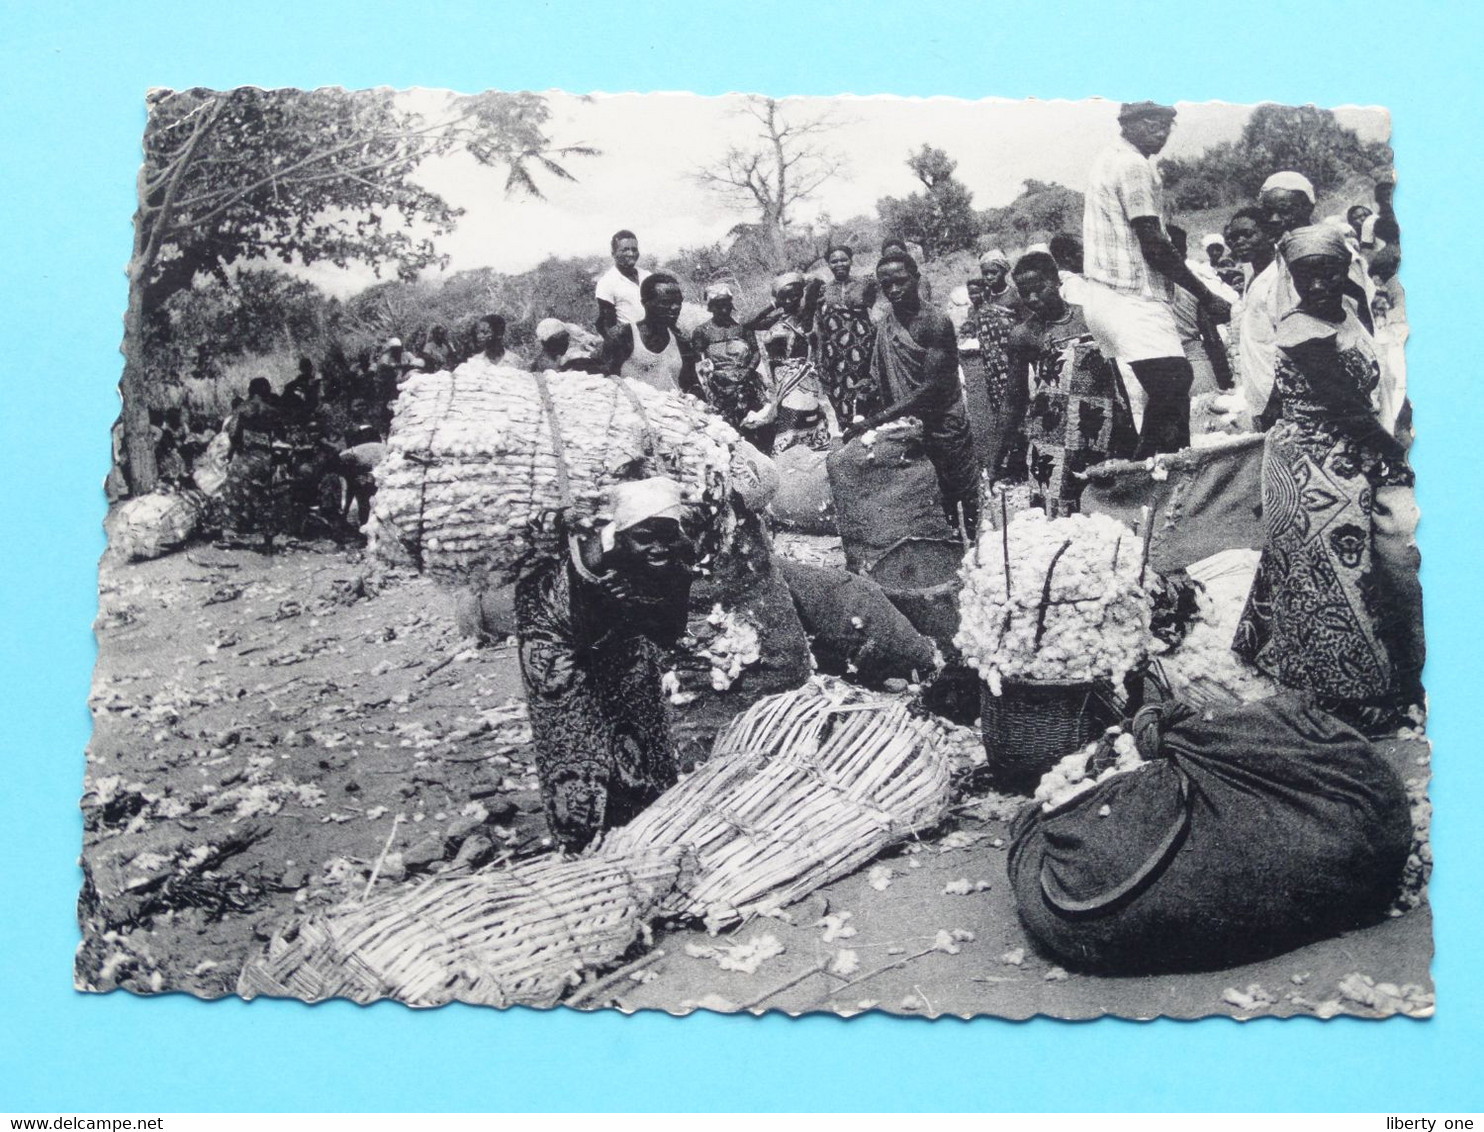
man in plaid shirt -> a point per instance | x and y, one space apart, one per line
1131 270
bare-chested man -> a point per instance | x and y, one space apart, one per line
916 368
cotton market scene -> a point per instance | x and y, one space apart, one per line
742 554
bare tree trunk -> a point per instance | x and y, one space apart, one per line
139 442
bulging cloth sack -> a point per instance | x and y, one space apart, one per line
1200 500
803 502
854 628
885 491
1251 831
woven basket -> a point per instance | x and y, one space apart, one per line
803 788
519 935
1033 724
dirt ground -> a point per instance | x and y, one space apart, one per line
269 730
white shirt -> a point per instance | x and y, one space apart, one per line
1254 344
622 292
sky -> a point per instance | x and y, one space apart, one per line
652 144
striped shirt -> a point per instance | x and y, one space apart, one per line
1123 185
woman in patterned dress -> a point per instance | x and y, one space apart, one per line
255 497
728 356
846 337
591 624
791 347
982 342
1068 409
1336 606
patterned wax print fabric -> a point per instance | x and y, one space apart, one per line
846 336
1076 415
985 364
256 497
597 709
733 387
796 384
1312 616
1123 185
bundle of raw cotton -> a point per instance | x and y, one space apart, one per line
1056 600
155 524
520 935
480 457
1203 669
802 788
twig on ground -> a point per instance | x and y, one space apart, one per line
381 860
597 992
818 969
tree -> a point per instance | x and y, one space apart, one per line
786 167
941 218
301 176
1305 139
254 312
1042 209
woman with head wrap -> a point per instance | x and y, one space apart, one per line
591 624
846 335
1336 606
791 351
994 267
727 367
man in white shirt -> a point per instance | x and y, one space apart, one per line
1131 271
618 288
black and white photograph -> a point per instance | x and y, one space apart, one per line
755 553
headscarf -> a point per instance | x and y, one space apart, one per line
1293 182
393 343
995 256
1316 239
549 328
1211 238
724 291
1044 249
785 279
635 501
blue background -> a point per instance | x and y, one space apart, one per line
73 88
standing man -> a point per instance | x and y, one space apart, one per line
618 288
1132 271
653 350
916 367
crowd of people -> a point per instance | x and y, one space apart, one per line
1120 341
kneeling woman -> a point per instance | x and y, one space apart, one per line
591 624
1336 607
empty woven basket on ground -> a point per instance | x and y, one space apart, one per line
802 788
478 456
520 935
